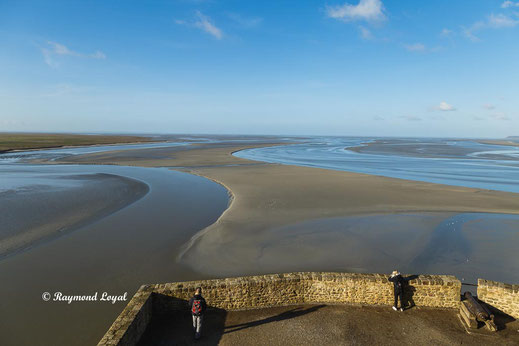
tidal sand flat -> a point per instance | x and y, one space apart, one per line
39 205
269 196
285 218
281 217
189 156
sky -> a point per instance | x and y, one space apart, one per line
443 68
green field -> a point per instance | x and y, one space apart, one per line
26 141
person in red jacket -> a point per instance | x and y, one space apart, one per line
198 306
398 289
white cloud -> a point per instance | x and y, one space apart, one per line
494 21
245 21
489 106
61 49
508 4
204 23
445 107
415 47
54 49
501 21
366 10
365 33
47 57
469 32
97 55
446 32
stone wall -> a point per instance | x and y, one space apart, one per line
504 297
243 293
131 322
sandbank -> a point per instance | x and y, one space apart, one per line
41 212
250 238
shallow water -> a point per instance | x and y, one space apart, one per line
54 154
459 163
467 245
116 254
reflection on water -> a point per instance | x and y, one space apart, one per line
459 163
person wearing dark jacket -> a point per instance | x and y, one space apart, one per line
398 289
198 306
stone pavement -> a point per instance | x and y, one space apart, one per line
327 325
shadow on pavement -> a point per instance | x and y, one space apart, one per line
176 328
296 312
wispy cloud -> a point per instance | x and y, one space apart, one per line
508 4
415 47
203 23
494 21
246 22
53 49
446 32
365 10
489 106
502 21
365 33
444 107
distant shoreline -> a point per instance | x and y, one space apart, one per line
10 143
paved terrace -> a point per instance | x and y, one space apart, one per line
313 308
327 325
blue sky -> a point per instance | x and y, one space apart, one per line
440 68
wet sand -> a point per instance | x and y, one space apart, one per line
40 212
269 196
271 201
195 155
513 143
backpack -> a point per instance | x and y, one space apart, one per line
196 308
